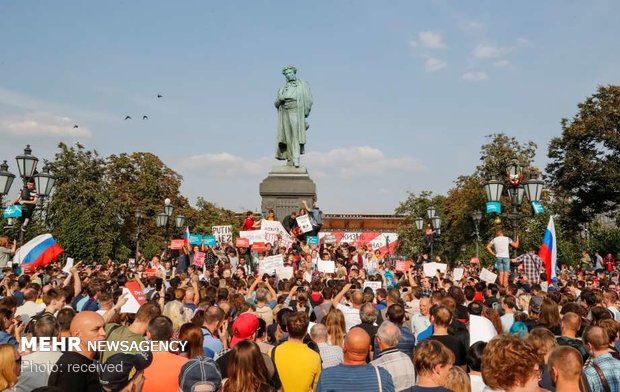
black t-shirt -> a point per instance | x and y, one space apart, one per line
371 330
76 373
455 345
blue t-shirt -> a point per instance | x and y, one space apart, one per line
428 332
211 345
354 378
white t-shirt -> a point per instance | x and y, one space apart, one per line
502 246
351 316
481 329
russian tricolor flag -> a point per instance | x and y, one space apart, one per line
39 251
548 251
186 236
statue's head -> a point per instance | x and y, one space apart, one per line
290 72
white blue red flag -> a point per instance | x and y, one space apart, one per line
186 236
548 251
39 251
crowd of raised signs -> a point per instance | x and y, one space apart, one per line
301 311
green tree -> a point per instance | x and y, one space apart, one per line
585 160
411 240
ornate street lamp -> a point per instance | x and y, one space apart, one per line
533 189
6 179
168 207
436 222
430 212
477 217
515 173
516 196
162 219
44 181
493 189
26 163
419 223
179 221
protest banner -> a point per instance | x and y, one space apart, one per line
403 265
327 266
176 244
150 272
312 240
304 223
14 211
199 259
209 240
488 276
242 243
330 239
373 285
259 247
430 269
253 235
223 234
135 297
275 232
271 264
457 273
195 239
285 272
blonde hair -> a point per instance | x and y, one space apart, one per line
458 380
4 241
174 311
336 327
8 378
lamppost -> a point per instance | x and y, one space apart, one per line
139 219
434 229
162 217
477 217
516 189
27 165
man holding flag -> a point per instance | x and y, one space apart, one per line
548 251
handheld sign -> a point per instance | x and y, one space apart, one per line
195 239
259 247
209 240
199 259
327 266
177 244
223 234
14 211
270 264
373 285
242 243
403 265
312 240
488 276
304 223
457 273
135 298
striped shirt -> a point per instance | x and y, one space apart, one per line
400 367
354 378
330 355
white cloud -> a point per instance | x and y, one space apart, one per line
521 42
429 40
502 64
432 64
488 51
474 26
475 76
348 162
41 125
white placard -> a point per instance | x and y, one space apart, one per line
327 266
285 272
457 274
373 285
488 276
274 231
67 268
253 235
430 269
442 267
271 264
304 223
132 305
222 234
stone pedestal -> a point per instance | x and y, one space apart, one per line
284 189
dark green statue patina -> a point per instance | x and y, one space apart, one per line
293 102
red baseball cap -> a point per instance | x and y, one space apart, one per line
243 328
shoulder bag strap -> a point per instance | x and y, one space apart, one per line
602 377
378 378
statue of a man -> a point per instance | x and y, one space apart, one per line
293 103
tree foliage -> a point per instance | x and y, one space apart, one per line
585 159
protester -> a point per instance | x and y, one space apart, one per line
398 364
331 355
246 370
510 364
354 374
474 365
499 247
34 372
432 363
125 372
565 365
162 374
602 371
10 366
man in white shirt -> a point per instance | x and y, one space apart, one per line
351 313
509 303
421 321
499 247
30 307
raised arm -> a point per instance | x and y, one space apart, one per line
273 293
122 300
341 294
515 244
252 288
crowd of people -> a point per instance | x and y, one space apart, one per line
315 331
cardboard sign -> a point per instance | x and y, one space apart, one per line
312 240
259 247
195 239
222 234
373 285
199 259
488 276
242 243
457 273
135 298
177 244
327 266
330 239
150 272
209 240
14 211
68 266
271 264
253 235
403 265
304 223
285 272
430 269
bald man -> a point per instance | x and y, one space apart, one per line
565 365
351 313
75 370
354 374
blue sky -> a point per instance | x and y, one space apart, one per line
404 91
